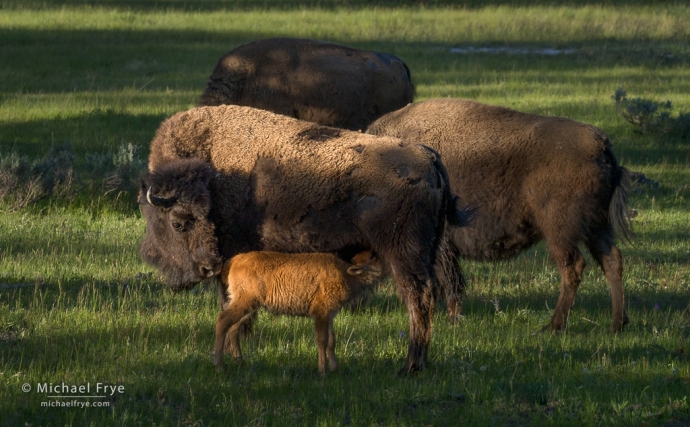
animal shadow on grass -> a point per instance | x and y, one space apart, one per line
125 126
267 5
163 65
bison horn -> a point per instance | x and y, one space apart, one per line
159 201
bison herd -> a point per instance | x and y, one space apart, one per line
271 189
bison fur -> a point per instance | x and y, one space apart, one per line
286 185
316 81
306 284
531 178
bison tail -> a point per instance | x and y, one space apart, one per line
413 94
619 216
455 215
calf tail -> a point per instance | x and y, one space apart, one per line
619 217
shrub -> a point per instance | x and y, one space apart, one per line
642 112
23 182
682 125
56 170
651 116
19 186
115 172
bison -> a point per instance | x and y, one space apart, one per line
321 82
305 284
229 179
531 178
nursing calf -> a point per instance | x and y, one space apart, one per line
308 284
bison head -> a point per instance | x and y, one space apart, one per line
180 240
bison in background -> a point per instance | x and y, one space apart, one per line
531 178
228 179
321 82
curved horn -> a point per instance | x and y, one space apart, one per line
159 201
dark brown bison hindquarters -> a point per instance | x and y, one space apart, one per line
530 178
321 82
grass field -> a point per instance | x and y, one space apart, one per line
81 81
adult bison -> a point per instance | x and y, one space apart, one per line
229 179
321 82
531 178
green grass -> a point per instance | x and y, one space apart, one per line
78 306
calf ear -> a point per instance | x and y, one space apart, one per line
355 270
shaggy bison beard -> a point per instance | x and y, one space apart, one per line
180 241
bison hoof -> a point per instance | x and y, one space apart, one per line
454 318
553 328
410 370
618 323
617 327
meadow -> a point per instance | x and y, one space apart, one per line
84 85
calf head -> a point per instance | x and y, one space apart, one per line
180 240
367 267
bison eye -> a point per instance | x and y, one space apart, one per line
177 226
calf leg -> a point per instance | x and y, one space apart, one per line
224 300
321 327
226 320
332 361
609 258
232 340
571 265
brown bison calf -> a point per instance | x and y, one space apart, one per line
307 284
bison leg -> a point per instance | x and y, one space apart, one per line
321 327
450 277
332 361
609 258
418 295
571 264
